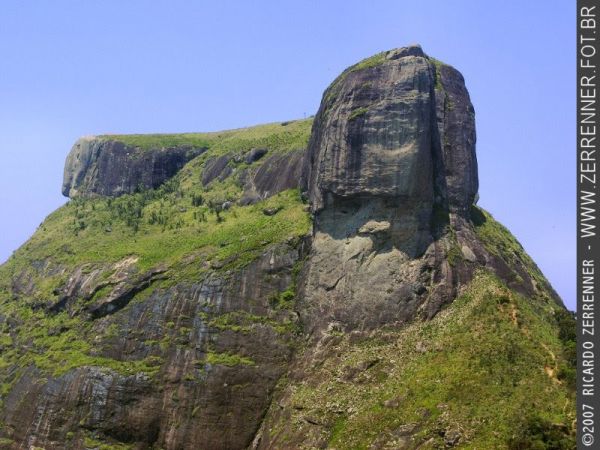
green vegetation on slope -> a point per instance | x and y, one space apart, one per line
371 61
500 242
358 113
228 359
483 373
102 235
161 226
244 322
280 136
181 227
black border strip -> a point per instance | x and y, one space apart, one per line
588 245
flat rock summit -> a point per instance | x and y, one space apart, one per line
310 284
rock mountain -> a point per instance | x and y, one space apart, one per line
322 283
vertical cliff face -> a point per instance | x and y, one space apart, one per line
391 163
188 366
398 125
456 131
110 168
286 287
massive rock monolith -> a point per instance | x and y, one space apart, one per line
397 126
392 180
391 164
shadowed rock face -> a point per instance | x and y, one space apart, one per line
110 168
456 131
192 402
399 125
276 174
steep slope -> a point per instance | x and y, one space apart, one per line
161 317
484 373
396 238
307 284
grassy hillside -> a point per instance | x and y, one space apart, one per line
494 370
282 136
162 228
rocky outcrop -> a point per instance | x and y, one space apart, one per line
276 174
271 175
215 349
393 144
216 168
392 178
400 126
97 166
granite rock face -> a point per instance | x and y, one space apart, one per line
393 143
456 130
276 174
399 125
392 178
111 168
215 383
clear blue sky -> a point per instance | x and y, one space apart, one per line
73 68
